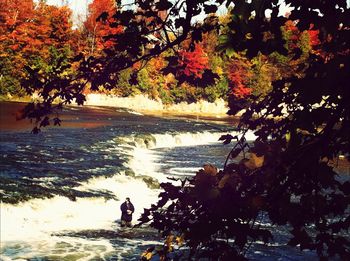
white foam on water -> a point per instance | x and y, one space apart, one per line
182 171
186 139
194 139
30 226
123 187
142 163
58 248
144 152
35 219
38 218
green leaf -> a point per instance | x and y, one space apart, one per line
230 52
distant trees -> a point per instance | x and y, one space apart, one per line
97 28
40 37
13 16
291 76
239 73
193 63
33 35
287 175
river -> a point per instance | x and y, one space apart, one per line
61 189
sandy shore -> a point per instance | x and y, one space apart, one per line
143 104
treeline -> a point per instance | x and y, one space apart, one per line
42 37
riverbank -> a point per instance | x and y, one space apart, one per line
143 104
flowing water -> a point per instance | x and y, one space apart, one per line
61 189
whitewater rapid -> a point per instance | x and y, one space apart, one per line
31 229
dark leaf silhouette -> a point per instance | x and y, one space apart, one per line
288 174
210 9
226 138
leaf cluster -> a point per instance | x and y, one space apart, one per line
301 127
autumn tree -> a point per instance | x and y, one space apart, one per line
98 28
287 174
299 45
193 63
251 77
13 14
239 73
37 36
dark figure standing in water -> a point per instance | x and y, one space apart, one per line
127 209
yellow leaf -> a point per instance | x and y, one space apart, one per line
169 240
180 240
248 36
219 70
203 180
288 135
254 161
147 255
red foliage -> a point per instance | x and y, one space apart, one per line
15 11
29 31
293 34
313 37
97 30
12 14
48 26
239 73
193 63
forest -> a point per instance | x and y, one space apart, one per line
43 38
289 72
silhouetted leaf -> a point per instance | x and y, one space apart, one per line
133 79
210 9
163 5
56 121
227 138
180 22
102 17
45 122
80 99
35 130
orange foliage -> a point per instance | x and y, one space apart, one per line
313 37
29 31
15 11
239 73
97 30
293 34
193 63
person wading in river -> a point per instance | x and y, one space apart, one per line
127 209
